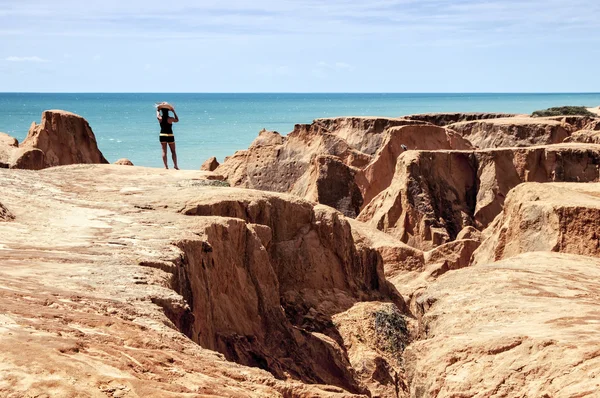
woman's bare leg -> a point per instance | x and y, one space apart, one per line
164 154
173 154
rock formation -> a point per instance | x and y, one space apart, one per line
435 194
256 276
210 164
512 132
444 119
124 162
521 327
62 138
341 162
585 136
545 217
65 138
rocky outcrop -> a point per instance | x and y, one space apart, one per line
517 328
256 276
512 132
585 136
341 162
444 119
378 174
434 195
64 138
545 217
210 164
575 122
15 157
124 162
331 182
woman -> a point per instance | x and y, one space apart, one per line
166 132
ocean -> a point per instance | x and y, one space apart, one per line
219 124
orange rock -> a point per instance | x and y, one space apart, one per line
210 164
64 138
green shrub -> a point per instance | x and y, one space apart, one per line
392 331
564 111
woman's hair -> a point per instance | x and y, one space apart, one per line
165 113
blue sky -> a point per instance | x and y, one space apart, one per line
300 46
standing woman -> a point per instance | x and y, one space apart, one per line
166 132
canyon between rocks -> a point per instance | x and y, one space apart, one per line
434 255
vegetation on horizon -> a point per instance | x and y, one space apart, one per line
564 111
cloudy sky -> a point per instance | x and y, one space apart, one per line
300 46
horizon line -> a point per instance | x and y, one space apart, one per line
301 92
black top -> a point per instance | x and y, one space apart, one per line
165 126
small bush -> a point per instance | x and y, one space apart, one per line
564 111
391 329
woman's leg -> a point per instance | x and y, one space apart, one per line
164 154
174 154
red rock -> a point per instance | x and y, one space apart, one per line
434 195
545 217
64 138
124 162
210 164
512 132
585 136
378 175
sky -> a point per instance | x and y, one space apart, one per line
300 46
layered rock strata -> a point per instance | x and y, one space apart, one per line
435 194
512 132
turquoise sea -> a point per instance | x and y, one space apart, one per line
219 124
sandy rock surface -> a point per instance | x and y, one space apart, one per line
521 327
545 217
110 275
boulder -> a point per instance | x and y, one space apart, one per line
64 138
585 136
15 157
124 162
560 217
434 195
210 164
512 132
522 327
444 119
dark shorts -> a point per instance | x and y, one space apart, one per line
167 138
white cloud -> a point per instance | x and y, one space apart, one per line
26 59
